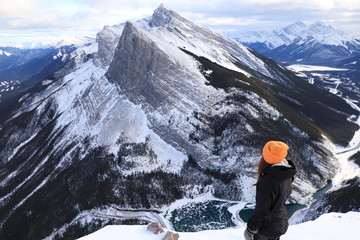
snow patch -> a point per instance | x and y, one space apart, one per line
46 82
310 68
347 169
5 53
318 229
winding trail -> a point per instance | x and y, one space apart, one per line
133 214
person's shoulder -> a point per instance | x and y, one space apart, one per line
292 164
270 181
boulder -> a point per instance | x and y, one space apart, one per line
171 236
155 228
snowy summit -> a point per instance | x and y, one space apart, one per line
332 226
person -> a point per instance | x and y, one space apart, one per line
275 176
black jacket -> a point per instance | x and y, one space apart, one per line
272 190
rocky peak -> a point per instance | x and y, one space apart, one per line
132 58
163 79
320 27
162 16
139 57
327 34
107 39
295 28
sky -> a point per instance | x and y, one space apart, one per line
53 20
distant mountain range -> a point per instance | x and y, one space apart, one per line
23 66
300 43
27 45
314 44
70 41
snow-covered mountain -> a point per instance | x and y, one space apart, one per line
300 45
70 41
73 41
5 53
315 43
152 112
27 45
300 33
25 53
22 69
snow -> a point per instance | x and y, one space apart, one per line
46 82
74 41
6 86
59 54
12 45
114 112
189 36
85 49
5 53
347 169
309 68
331 226
298 33
123 232
27 45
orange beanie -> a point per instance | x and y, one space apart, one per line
274 152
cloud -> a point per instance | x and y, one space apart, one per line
274 14
16 8
89 16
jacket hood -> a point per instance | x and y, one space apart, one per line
281 172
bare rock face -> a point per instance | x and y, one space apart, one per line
161 16
148 73
107 39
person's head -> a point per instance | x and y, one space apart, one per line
273 152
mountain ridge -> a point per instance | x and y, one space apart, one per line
299 43
299 33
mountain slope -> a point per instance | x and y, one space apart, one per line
315 44
155 111
29 67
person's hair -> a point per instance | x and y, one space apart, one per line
261 166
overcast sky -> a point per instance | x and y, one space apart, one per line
52 20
